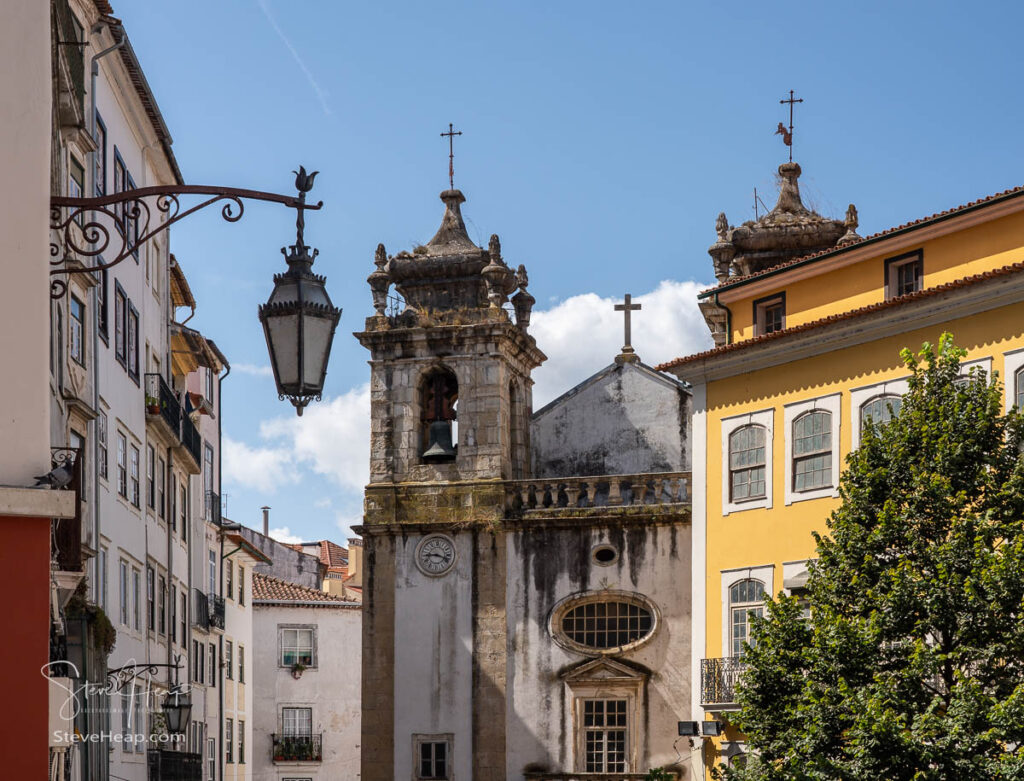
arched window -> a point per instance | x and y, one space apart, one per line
746 463
1019 388
879 410
812 450
439 395
746 600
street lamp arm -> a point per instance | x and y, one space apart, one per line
120 677
82 233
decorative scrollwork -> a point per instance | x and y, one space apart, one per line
85 230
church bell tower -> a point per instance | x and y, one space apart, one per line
451 398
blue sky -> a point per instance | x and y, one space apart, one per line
601 140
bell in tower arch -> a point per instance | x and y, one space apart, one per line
439 397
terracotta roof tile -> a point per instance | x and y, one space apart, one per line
862 311
267 588
1005 194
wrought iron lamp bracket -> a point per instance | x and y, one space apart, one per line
82 233
120 677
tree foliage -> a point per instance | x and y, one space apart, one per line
912 664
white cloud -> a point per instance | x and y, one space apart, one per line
332 438
322 504
583 334
321 93
252 369
284 534
264 468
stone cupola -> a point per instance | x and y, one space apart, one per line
451 278
788 231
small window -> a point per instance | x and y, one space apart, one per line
150 477
769 314
77 331
122 465
76 185
241 585
133 343
229 577
229 660
150 599
880 410
100 158
241 664
747 463
746 601
133 477
812 451
297 646
120 325
161 625
297 722
241 742
904 274
432 756
101 439
229 740
161 487
605 736
1019 389
604 555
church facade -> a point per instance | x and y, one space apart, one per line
527 609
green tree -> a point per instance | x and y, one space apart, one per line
912 664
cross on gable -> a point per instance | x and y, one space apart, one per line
628 307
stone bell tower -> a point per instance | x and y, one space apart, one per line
451 399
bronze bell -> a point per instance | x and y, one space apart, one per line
440 446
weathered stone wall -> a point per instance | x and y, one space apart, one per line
378 660
551 562
626 419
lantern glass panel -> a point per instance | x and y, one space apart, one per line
283 335
316 338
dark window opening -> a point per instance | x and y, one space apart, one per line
609 624
439 398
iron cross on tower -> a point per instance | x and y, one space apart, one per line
452 132
788 137
628 308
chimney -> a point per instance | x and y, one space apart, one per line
266 521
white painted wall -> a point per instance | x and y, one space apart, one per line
433 655
24 245
331 689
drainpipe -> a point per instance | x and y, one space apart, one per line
220 581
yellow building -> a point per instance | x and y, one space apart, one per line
808 325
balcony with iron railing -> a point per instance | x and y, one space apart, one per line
297 748
718 679
191 440
165 765
162 405
216 604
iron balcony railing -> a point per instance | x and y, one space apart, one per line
297 748
161 400
190 439
216 611
201 613
167 765
213 506
718 679
67 532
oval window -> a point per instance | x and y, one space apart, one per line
603 622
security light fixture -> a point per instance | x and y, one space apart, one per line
711 728
688 729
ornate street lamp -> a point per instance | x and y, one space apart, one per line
299 319
177 707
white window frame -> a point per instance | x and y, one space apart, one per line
281 629
765 419
1013 362
296 733
860 396
601 689
765 573
790 412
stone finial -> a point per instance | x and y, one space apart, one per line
851 223
722 227
494 248
789 190
379 280
497 276
522 301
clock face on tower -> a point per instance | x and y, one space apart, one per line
435 554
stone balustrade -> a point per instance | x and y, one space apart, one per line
556 493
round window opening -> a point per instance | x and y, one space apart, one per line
604 622
605 555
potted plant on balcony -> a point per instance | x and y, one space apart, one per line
297 670
152 405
